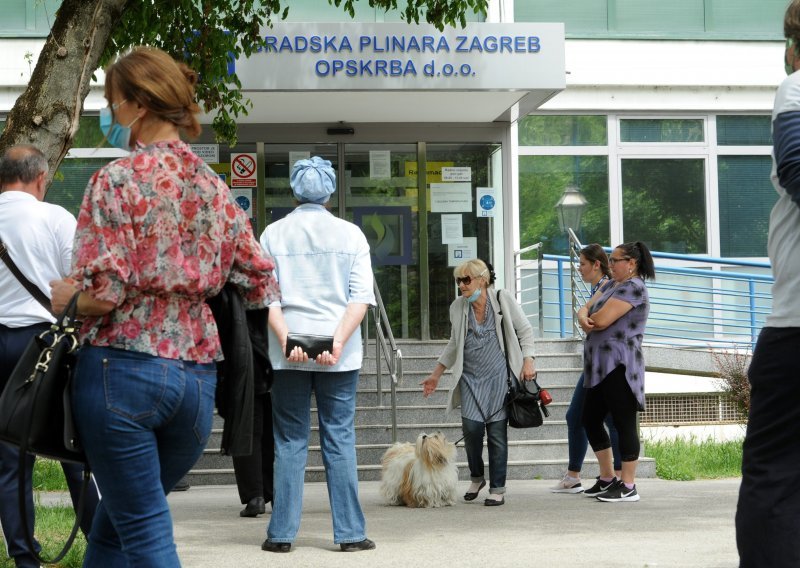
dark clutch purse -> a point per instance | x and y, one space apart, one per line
312 345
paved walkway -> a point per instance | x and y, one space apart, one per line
675 524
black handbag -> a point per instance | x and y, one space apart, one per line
524 407
35 410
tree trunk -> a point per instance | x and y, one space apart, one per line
47 113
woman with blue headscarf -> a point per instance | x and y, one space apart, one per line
323 264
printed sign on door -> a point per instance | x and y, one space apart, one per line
243 170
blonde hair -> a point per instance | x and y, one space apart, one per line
156 81
474 268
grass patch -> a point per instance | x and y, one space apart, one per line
48 476
689 459
53 525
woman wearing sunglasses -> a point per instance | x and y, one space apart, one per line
475 353
613 366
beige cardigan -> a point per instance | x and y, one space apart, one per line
519 337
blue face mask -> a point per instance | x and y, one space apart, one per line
474 296
117 135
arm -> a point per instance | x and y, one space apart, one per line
347 325
611 311
524 333
786 138
63 290
431 382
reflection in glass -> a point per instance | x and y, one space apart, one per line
662 130
542 180
663 204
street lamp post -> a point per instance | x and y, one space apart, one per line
570 208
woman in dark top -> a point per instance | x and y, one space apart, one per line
614 321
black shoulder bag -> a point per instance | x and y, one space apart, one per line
36 411
524 407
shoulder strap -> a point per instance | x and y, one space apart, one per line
505 345
32 288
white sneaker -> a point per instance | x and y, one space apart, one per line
567 485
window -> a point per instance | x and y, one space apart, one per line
662 130
663 204
746 197
556 130
744 130
542 179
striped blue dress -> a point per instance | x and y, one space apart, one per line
484 370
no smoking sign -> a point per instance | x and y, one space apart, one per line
243 170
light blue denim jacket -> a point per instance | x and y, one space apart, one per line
322 264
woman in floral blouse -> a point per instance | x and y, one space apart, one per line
158 233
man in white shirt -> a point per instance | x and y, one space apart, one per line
38 239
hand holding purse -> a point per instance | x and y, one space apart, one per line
312 345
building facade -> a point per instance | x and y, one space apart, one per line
661 119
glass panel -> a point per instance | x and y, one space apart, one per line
661 130
663 204
744 130
570 130
647 16
578 15
381 198
477 231
70 181
746 16
746 197
278 159
542 180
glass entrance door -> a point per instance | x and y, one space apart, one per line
419 227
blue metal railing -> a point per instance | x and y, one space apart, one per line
695 301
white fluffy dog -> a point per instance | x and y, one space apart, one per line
421 475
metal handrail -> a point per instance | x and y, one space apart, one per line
519 265
385 349
707 302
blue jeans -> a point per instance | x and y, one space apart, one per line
144 421
335 393
576 434
497 441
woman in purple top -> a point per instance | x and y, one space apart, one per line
614 321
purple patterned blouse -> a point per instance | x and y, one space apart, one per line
621 342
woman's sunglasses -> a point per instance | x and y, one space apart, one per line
464 280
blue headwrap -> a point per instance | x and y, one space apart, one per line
313 180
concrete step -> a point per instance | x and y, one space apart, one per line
426 363
410 347
522 469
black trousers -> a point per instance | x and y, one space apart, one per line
613 395
254 476
12 343
768 513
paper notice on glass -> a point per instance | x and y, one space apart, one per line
487 202
380 164
294 156
451 197
452 232
457 174
467 250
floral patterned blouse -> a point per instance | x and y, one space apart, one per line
158 233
